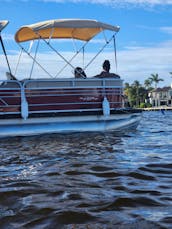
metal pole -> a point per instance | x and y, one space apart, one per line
3 48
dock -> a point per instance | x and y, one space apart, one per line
159 108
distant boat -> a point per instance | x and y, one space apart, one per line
63 105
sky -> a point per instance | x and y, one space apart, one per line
144 42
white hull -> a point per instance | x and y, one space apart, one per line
37 126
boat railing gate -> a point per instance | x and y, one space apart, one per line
19 97
10 97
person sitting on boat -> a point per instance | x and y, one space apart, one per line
105 73
10 76
79 73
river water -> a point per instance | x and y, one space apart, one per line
89 181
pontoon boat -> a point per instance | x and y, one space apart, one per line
32 106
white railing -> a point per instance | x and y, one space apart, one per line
10 97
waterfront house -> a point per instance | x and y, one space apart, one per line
161 97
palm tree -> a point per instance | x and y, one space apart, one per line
136 85
154 78
127 85
147 83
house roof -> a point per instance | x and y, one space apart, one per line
163 89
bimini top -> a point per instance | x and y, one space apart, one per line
3 24
65 28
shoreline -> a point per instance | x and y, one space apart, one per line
159 108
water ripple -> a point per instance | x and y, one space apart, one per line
89 181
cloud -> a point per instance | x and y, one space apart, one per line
119 3
141 62
134 63
166 29
9 37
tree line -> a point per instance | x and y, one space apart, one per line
136 94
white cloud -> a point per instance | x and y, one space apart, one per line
166 29
121 3
141 62
7 36
135 63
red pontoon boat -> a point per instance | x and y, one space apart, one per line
50 105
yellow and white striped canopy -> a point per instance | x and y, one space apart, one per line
79 29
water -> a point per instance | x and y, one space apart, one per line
87 181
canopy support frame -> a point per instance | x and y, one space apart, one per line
23 49
34 59
104 46
68 62
72 58
3 48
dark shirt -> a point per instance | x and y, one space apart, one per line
104 74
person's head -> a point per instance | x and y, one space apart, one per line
79 73
106 65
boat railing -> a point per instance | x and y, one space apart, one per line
73 83
72 95
10 97
58 95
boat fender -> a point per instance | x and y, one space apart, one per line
106 107
24 106
24 109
